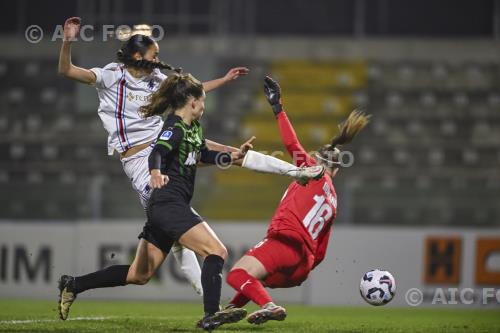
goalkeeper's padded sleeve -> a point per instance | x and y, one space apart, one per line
264 163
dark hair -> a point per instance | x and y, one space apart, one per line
173 94
140 43
348 130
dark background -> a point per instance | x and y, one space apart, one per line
370 18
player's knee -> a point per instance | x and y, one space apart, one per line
221 251
142 279
218 250
139 278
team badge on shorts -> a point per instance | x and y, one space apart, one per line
166 135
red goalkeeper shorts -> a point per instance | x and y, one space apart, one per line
287 264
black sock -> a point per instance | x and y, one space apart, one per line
111 276
211 280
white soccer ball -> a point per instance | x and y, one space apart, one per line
377 287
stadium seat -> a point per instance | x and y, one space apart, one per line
439 72
33 123
494 99
34 177
16 95
470 156
17 151
394 100
448 128
428 100
436 157
4 176
32 69
401 156
367 155
461 100
48 95
4 122
50 151
3 68
406 73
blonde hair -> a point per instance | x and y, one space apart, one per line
355 122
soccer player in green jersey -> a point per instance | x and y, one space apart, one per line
172 165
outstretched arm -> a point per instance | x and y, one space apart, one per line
232 74
259 162
66 68
212 145
288 135
291 142
223 157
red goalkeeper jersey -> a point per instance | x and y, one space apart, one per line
305 213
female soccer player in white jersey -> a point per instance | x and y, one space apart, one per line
123 87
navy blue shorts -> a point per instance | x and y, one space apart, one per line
167 222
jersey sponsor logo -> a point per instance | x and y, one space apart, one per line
166 135
191 159
138 98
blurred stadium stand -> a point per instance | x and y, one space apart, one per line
54 164
430 156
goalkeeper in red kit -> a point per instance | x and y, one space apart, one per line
298 235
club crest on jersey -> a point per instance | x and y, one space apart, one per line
166 135
151 85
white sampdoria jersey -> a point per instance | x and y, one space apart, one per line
120 97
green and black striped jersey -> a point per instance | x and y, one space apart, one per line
178 149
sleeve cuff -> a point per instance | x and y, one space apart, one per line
98 75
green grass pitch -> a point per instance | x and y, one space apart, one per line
137 317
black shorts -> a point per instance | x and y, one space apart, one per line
167 222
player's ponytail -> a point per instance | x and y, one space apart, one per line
140 43
350 128
173 94
347 131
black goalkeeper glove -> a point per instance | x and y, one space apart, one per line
273 94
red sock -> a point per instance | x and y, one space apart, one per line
239 300
249 286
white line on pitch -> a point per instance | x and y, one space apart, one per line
50 320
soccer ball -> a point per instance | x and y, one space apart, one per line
377 287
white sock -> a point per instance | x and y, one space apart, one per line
189 265
264 163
